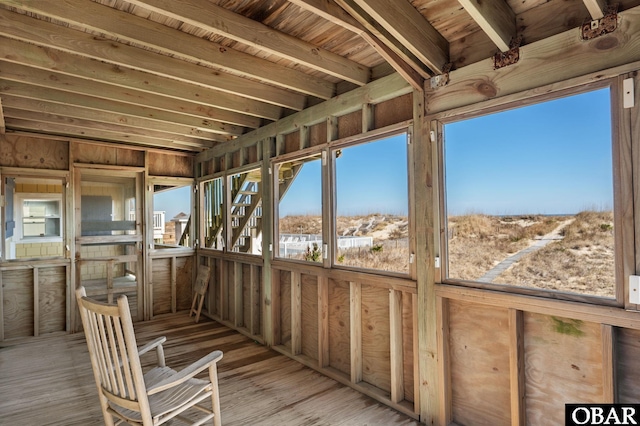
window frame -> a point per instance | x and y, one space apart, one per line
176 183
201 212
20 199
622 194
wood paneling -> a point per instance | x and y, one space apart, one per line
174 165
480 374
563 363
161 281
393 111
309 291
36 153
628 365
52 299
17 303
285 309
375 337
408 345
339 326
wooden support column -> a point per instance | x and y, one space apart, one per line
368 118
296 314
304 137
323 321
516 361
238 306
254 302
36 303
430 397
444 372
608 365
416 354
224 290
174 285
271 295
355 319
395 342
1 308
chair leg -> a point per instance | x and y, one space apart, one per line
199 308
108 418
215 398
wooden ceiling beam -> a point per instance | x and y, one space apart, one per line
98 135
226 23
44 78
495 18
103 105
42 33
46 117
405 23
338 15
143 32
71 111
44 58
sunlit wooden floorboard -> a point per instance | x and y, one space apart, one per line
48 381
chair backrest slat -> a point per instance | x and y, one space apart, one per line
113 348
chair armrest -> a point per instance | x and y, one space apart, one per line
157 344
186 373
154 343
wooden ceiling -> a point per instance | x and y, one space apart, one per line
191 74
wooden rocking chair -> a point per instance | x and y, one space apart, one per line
126 394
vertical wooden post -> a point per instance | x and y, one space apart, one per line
238 295
296 313
516 361
254 303
1 308
395 343
355 320
416 354
368 118
608 365
444 372
430 397
323 321
36 303
274 307
224 289
174 285
271 309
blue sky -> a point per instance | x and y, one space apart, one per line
371 178
550 158
173 202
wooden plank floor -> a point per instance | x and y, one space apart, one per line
48 381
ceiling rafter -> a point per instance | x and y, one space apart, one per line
244 30
22 27
495 18
334 13
405 23
171 41
103 74
3 127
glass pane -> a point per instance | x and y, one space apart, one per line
108 205
372 205
213 220
246 212
34 220
172 216
300 209
529 196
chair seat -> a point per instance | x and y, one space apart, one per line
169 400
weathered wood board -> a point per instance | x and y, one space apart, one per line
407 346
184 281
36 153
161 281
479 364
393 111
628 365
17 303
173 165
285 308
376 357
309 290
563 364
339 326
106 155
52 299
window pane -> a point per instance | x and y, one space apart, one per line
372 205
213 221
300 209
172 216
246 212
108 205
529 196
34 220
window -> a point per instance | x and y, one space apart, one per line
213 208
529 197
108 205
372 220
299 198
34 218
172 216
246 212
